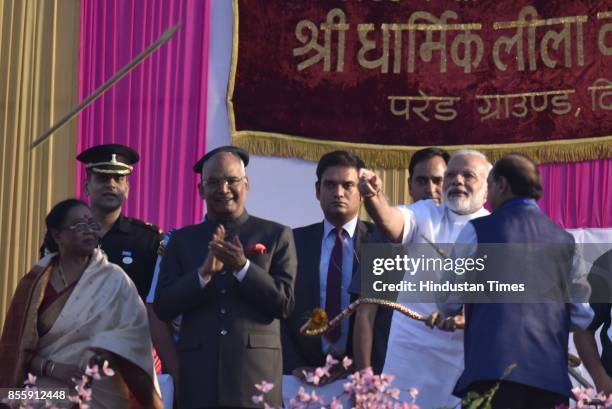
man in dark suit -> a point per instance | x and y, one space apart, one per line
231 277
328 258
533 336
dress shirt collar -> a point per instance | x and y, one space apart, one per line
349 227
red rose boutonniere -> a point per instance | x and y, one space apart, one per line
257 248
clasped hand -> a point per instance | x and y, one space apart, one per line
223 253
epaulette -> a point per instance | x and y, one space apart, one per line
145 225
163 243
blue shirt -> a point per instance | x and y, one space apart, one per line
348 253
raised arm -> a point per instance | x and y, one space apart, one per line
388 219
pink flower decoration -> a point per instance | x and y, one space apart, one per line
347 387
313 379
31 380
347 362
330 361
264 387
335 404
302 395
257 399
107 370
394 393
314 397
85 393
322 371
364 388
93 371
368 372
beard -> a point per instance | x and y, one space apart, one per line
465 204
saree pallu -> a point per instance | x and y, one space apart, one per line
103 311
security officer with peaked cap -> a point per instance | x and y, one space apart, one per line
130 243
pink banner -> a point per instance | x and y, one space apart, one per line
159 109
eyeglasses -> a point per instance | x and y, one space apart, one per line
216 183
82 227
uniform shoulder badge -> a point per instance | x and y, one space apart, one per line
163 243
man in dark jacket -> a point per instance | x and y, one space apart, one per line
231 277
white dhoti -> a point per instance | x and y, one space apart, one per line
429 360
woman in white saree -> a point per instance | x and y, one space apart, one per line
74 305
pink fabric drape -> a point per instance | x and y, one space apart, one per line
159 109
578 195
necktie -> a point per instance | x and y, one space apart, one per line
334 283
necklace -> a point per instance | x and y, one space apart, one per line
60 272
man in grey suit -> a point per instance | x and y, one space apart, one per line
231 277
323 255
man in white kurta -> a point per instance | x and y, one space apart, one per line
428 360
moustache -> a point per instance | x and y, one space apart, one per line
457 190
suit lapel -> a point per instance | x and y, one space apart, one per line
361 235
314 261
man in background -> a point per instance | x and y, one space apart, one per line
426 174
425 181
328 259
